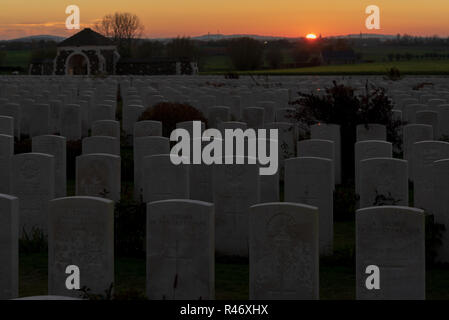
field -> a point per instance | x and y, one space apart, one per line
221 64
17 58
414 67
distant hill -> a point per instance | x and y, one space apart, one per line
215 37
38 38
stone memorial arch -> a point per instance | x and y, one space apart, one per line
86 53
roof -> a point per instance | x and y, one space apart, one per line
86 37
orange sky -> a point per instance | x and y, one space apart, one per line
169 18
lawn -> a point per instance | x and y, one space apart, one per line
337 274
413 67
17 58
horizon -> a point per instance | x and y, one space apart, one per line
285 18
371 35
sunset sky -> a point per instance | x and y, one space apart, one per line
292 18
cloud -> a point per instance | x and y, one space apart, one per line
18 30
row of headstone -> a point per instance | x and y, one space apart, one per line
283 247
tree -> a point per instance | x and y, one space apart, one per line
123 28
149 49
245 53
182 48
274 57
2 57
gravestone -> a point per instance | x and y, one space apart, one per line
309 180
236 188
101 144
55 146
162 180
7 125
369 149
330 132
317 148
9 247
102 112
414 133
98 175
440 208
254 117
39 119
143 147
6 152
217 114
372 131
33 183
424 154
283 252
70 122
81 233
55 115
383 181
12 110
443 116
391 238
130 116
107 128
430 118
269 108
147 128
180 249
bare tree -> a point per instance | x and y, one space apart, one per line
122 28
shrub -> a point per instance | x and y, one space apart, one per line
170 114
340 105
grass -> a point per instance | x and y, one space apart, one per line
413 67
337 274
17 58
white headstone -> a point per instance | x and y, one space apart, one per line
414 133
144 147
6 125
55 146
383 181
392 239
309 181
369 149
330 132
108 128
424 154
371 131
180 250
236 188
6 152
283 252
162 180
70 122
81 234
9 247
33 183
98 175
101 144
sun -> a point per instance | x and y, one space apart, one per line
311 36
